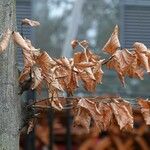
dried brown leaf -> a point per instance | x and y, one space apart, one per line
98 72
121 62
106 115
24 74
135 71
46 63
92 110
54 100
5 40
123 113
82 65
113 43
74 43
145 109
89 84
82 119
72 84
36 74
18 39
63 62
29 22
141 50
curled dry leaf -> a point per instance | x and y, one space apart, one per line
25 74
72 84
92 110
45 62
104 110
74 43
135 71
35 52
82 119
5 40
141 50
54 100
98 72
106 115
29 57
18 39
63 62
51 80
89 69
122 62
145 109
84 64
89 84
123 113
113 43
29 22
36 74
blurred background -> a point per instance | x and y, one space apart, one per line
92 20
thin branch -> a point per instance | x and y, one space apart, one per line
49 107
109 59
84 48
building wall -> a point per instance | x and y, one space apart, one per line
135 22
23 10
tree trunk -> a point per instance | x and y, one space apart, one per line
10 108
73 26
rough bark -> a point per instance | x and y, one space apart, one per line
9 101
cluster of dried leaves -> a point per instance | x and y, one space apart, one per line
118 140
114 138
126 62
103 112
61 74
99 113
64 74
7 34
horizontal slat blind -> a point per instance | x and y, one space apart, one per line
23 10
136 20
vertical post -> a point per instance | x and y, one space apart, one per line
30 138
51 132
10 104
68 126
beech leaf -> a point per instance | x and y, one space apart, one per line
36 74
74 43
92 110
123 113
29 22
113 43
121 62
18 39
145 109
5 40
141 50
82 118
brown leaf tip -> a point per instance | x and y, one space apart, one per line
74 43
29 22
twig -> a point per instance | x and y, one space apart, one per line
48 107
85 48
106 61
